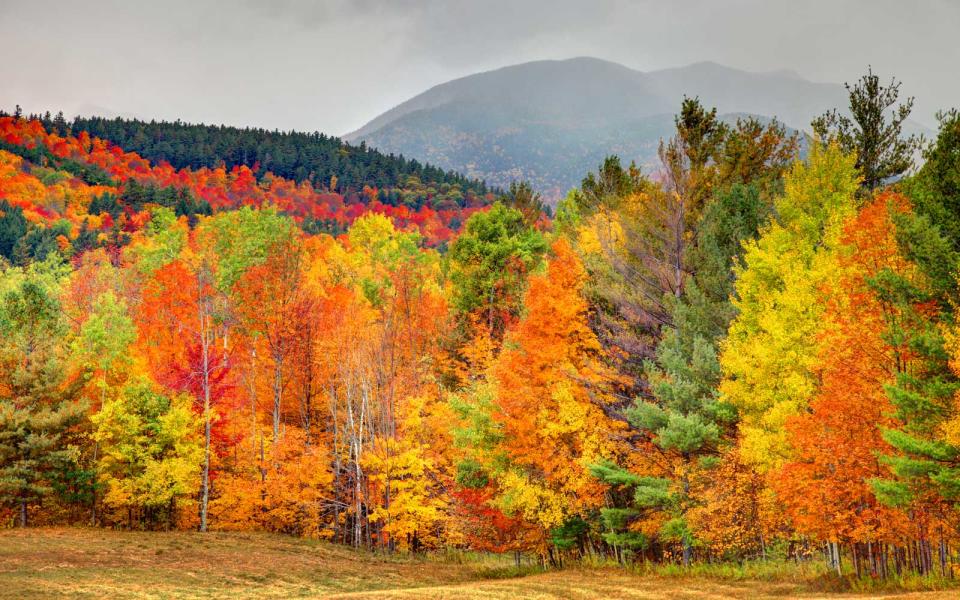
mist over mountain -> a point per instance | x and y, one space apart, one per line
549 122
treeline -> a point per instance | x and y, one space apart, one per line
745 355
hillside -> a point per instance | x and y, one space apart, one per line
314 157
551 121
67 190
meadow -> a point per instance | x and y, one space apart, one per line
99 563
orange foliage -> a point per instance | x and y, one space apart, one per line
552 387
826 489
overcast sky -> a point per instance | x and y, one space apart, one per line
333 65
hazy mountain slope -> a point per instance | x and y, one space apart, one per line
781 94
550 121
564 92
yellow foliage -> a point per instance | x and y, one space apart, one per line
768 356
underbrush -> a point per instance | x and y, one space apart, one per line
812 575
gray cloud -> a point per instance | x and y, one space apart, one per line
332 65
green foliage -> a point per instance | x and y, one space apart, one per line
570 535
136 195
37 406
521 197
686 414
105 203
41 155
41 242
614 474
935 189
244 238
105 337
471 474
167 241
609 185
648 495
31 450
379 238
490 262
923 462
479 435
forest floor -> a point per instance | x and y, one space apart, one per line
96 563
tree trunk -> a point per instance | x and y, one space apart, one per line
93 505
205 482
687 549
205 497
277 397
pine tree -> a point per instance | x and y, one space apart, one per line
935 189
882 153
685 418
926 457
521 197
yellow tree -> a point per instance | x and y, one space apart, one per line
768 356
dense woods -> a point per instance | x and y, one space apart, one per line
116 184
745 354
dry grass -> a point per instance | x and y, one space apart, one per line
95 563
589 584
92 563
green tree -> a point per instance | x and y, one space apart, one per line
690 157
40 242
882 152
610 184
522 197
926 457
37 406
101 350
684 416
490 262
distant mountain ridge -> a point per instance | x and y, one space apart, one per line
549 122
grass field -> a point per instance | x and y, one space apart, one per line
91 563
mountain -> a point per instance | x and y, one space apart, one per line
550 122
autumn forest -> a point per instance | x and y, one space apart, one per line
750 351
